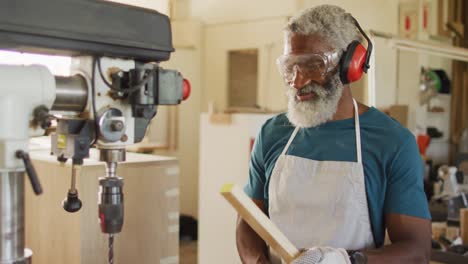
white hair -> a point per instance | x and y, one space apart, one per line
330 22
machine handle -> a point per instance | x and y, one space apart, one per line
35 183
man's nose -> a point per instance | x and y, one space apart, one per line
298 80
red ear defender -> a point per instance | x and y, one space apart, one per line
352 63
356 58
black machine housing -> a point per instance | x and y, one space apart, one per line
85 27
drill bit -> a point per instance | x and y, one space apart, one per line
111 249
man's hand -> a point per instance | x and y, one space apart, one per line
323 255
411 241
252 249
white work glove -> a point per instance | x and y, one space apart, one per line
323 255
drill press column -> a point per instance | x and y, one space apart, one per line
12 246
24 89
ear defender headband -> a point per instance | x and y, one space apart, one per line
355 59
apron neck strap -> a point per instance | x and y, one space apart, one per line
291 138
357 132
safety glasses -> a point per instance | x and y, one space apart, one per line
311 66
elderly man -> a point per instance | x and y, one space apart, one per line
331 173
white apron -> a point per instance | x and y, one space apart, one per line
321 203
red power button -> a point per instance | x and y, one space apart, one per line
186 89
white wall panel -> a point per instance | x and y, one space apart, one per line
222 11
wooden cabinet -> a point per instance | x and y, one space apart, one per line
151 198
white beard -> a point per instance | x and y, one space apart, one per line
317 110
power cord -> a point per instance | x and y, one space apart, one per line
93 100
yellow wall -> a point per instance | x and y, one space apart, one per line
264 32
264 35
234 11
161 6
187 59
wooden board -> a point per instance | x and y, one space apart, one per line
221 119
259 222
216 170
464 225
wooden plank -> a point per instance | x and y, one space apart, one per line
438 256
221 119
458 28
459 11
464 225
259 222
147 147
465 23
442 18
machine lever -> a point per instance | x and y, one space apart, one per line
72 203
32 174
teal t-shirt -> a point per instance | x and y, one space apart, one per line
393 168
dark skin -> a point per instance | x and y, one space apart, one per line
410 236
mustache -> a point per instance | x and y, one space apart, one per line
322 91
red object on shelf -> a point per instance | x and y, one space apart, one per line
425 18
407 23
423 142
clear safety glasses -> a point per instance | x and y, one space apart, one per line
311 66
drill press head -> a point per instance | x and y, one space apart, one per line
109 112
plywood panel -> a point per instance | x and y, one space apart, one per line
224 157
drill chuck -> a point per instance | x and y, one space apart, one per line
111 204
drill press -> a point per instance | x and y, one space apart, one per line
107 103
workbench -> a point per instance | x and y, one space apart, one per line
151 198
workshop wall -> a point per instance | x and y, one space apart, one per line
263 31
236 25
187 59
379 15
220 39
237 11
161 6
